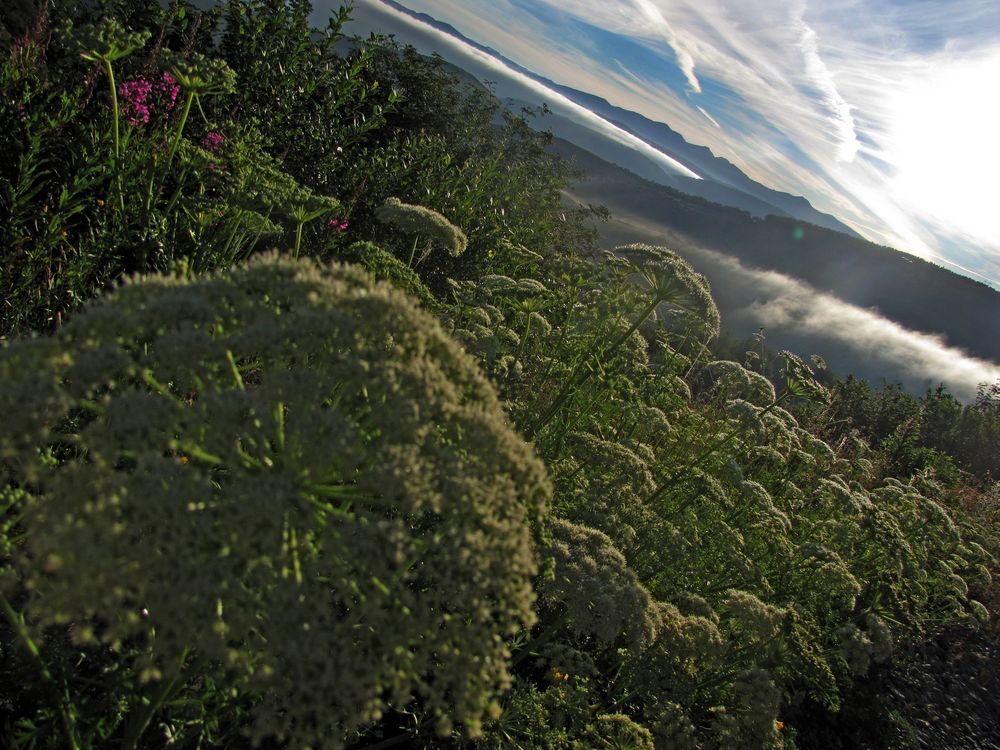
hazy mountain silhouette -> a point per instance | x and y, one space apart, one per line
910 291
722 181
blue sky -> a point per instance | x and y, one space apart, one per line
885 113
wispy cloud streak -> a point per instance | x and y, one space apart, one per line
556 101
790 305
805 96
685 61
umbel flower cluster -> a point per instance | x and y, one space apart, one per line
423 223
672 280
289 472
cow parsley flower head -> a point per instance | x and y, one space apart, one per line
298 475
855 648
672 726
423 223
758 618
107 40
672 280
734 381
198 74
602 598
800 379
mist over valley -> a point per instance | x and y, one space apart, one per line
773 261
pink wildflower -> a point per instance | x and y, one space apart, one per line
340 225
166 91
212 141
134 101
141 99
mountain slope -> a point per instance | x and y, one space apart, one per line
723 181
909 291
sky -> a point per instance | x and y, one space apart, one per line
884 113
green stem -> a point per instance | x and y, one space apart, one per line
256 237
279 422
229 242
576 381
298 237
173 147
413 252
524 336
17 623
235 370
150 193
173 198
115 117
202 113
180 129
139 723
149 190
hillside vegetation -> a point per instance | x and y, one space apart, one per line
327 425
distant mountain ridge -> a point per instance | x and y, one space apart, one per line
910 291
772 259
723 182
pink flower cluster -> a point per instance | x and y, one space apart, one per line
134 95
140 98
340 225
211 141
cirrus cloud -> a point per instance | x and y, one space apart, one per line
806 97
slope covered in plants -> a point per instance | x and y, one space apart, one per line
326 425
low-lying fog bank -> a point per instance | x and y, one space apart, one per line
797 316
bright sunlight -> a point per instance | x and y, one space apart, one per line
944 145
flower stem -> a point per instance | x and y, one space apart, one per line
580 376
115 116
298 237
180 129
150 194
140 722
114 107
225 253
65 714
413 252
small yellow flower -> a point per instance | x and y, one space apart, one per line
559 676
778 725
100 203
183 459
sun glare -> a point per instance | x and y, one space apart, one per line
945 146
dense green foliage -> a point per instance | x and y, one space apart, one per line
486 487
933 430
